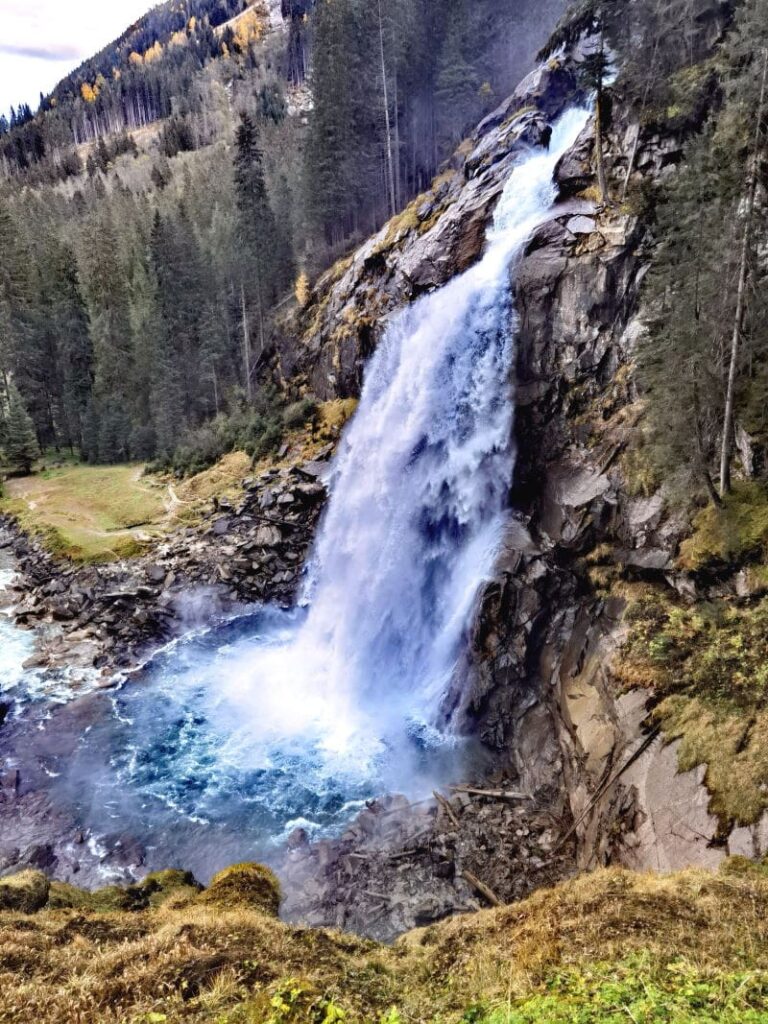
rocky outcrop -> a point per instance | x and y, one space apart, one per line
440 234
108 617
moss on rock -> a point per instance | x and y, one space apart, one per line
26 892
153 891
250 885
111 899
708 665
734 534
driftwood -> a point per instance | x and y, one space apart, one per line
260 518
377 895
404 854
608 784
482 888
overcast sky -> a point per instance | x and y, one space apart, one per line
41 40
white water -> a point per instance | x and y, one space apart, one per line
16 645
418 502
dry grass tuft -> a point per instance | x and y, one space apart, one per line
250 885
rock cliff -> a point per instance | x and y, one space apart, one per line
537 686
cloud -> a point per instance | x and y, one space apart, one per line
52 53
41 40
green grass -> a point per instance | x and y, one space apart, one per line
639 989
88 513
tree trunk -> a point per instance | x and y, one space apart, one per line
599 158
246 344
398 158
741 295
388 128
714 497
646 95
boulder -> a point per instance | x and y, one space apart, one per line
311 470
268 537
574 173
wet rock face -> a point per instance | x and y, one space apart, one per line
535 685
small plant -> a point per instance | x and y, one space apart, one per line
296 1003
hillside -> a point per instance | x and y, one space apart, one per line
171 194
604 949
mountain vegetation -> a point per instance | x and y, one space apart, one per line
705 361
156 215
157 209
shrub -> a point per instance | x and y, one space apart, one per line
300 413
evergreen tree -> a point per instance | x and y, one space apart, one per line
21 445
705 363
265 266
109 309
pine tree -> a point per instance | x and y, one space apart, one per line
89 443
174 332
21 445
264 262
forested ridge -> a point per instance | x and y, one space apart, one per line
226 164
175 190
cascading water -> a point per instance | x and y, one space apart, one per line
286 719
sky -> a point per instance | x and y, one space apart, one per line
42 40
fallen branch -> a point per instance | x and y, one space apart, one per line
446 807
482 888
492 794
273 521
608 784
407 853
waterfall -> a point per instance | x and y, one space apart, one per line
419 492
296 717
